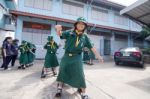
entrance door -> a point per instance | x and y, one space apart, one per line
37 34
107 47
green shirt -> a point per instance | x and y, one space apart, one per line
51 49
71 37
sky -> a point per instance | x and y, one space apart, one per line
124 2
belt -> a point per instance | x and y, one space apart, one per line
72 54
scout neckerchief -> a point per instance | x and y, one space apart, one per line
77 40
24 47
52 44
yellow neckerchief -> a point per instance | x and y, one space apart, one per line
24 47
77 40
52 44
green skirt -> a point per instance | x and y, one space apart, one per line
30 57
23 59
71 71
51 60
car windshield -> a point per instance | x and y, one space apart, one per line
130 49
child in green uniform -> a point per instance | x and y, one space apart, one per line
23 59
71 67
31 53
50 58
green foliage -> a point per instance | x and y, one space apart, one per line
145 32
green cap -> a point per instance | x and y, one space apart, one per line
24 42
50 38
81 19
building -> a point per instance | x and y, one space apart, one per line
35 20
7 21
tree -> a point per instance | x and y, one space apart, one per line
145 32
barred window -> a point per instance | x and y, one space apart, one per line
73 8
100 14
39 4
121 20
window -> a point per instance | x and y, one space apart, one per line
100 14
73 8
36 27
47 4
39 4
135 25
29 3
121 20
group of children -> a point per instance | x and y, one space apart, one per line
71 65
10 51
27 54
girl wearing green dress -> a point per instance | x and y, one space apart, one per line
71 66
23 59
31 53
50 58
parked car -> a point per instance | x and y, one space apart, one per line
132 55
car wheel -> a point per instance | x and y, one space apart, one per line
117 63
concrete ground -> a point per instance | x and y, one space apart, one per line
104 81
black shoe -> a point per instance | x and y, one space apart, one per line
54 73
27 66
79 91
84 97
43 76
2 66
59 93
23 67
19 67
5 68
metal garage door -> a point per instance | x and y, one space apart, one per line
36 33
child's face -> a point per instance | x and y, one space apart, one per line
9 40
80 26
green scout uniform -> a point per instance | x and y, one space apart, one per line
51 58
23 59
71 66
31 54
